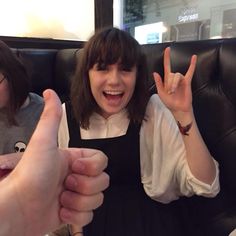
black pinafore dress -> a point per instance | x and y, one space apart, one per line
126 210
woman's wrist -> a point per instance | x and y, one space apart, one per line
184 121
184 118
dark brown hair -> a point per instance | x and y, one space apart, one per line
18 80
107 47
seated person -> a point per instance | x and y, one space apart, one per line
19 109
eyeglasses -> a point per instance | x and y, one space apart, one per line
2 79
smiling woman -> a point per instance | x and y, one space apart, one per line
151 161
112 87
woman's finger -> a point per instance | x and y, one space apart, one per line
167 64
191 69
159 83
175 82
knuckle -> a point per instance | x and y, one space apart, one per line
83 218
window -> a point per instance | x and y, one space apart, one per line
64 19
156 21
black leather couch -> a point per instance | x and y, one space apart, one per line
49 68
214 101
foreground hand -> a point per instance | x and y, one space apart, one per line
41 190
175 90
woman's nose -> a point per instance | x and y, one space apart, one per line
114 76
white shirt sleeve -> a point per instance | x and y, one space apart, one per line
63 133
164 168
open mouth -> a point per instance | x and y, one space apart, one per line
110 95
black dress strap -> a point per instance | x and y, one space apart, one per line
73 125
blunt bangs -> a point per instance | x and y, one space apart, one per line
113 46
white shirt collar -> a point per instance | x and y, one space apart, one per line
115 125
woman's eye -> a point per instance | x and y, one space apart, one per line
126 69
101 67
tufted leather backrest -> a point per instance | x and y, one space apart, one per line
214 102
49 68
40 64
65 65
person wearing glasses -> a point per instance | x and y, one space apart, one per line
19 108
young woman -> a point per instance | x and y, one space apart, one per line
155 151
19 109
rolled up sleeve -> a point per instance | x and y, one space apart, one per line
164 169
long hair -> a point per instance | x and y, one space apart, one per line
18 81
108 47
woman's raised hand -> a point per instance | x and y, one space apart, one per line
175 90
